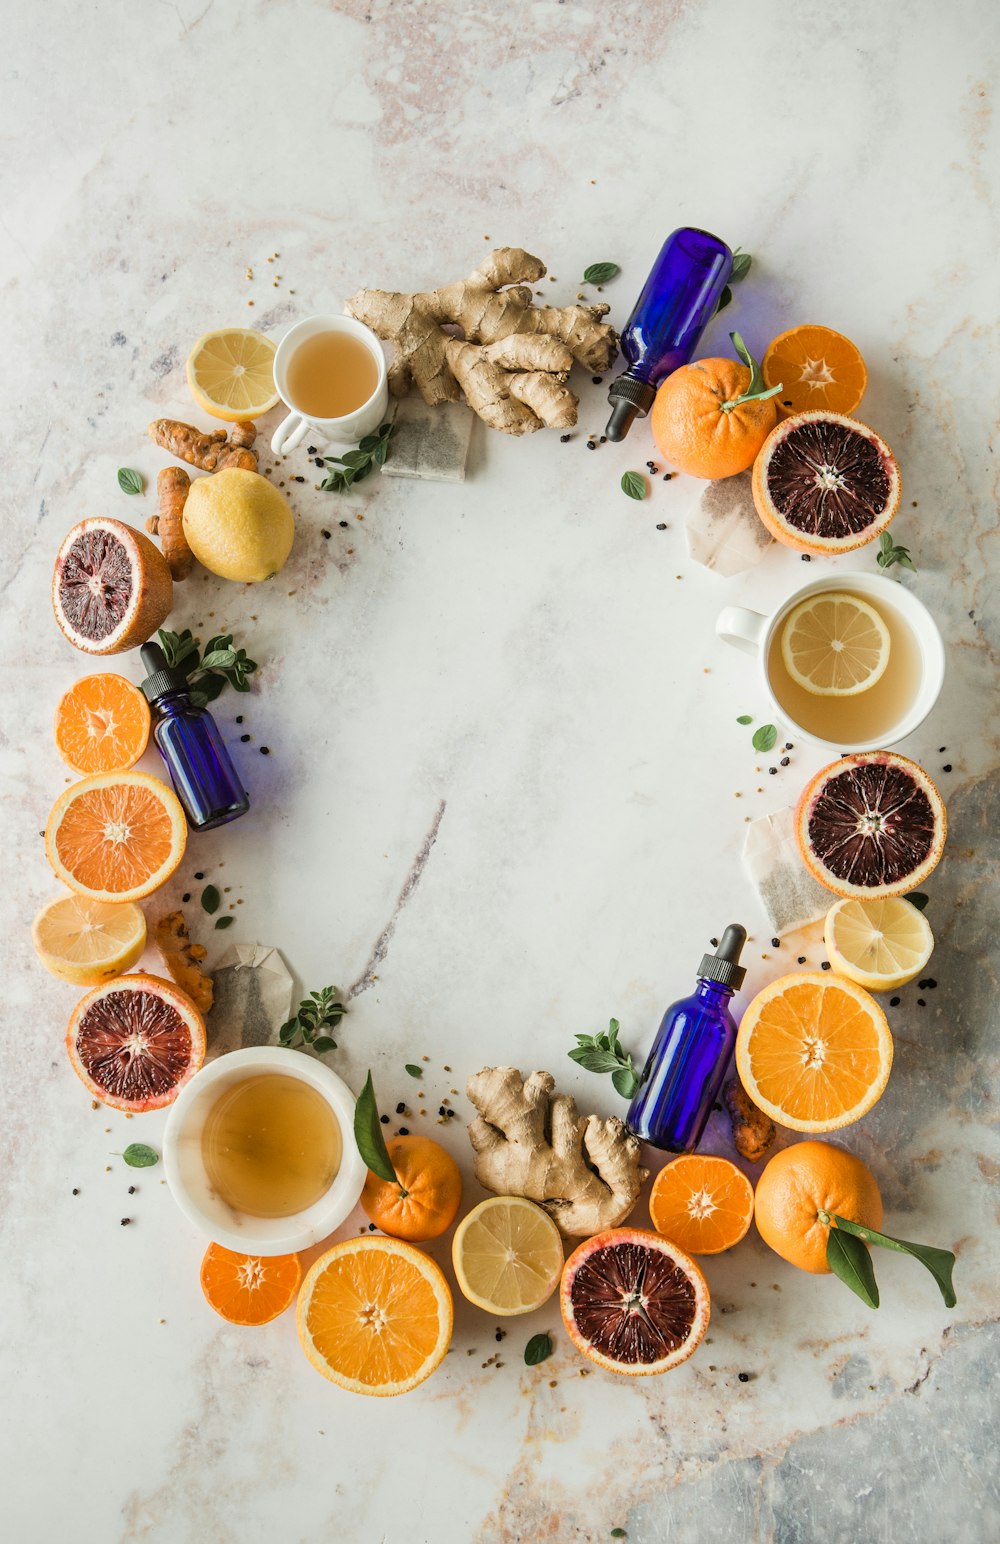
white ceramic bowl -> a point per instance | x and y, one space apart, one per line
185 1169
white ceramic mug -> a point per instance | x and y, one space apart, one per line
753 633
185 1167
352 427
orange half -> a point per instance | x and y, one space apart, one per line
815 367
814 1052
249 1289
117 836
702 1203
102 724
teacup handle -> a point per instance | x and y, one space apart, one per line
289 434
742 628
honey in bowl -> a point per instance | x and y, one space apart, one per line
271 1145
331 374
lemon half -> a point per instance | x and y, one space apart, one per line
835 645
880 945
231 373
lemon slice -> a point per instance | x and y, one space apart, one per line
835 645
880 945
231 373
508 1255
86 942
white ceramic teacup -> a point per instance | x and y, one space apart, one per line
185 1167
340 431
754 633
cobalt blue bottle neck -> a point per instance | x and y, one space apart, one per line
708 991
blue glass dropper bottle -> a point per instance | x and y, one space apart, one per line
188 739
678 301
685 1069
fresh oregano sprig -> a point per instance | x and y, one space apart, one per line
317 1013
889 553
209 672
848 1258
346 470
603 1053
368 1136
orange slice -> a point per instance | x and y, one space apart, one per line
102 724
702 1203
117 836
815 367
375 1316
248 1289
814 1052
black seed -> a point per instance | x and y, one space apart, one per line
744 1377
76 1192
343 525
806 558
604 439
667 476
310 450
772 771
319 461
775 943
591 445
450 1113
401 1108
714 942
403 1132
597 379
825 965
784 761
265 750
788 745
325 535
371 1227
499 1335
239 718
126 1221
801 959
942 749
186 896
946 767
894 1002
565 438
199 875
931 983
921 1002
131 1190
298 479
244 738
661 526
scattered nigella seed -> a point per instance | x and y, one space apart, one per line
126 1221
825 965
200 874
311 450
661 526
667 476
265 750
744 1377
239 718
931 983
244 738
565 438
894 1002
772 771
714 942
946 767
785 760
942 749
403 1131
186 896
921 1002
775 943
384 1119
131 1190
343 525
801 959
789 746
325 535
806 558
75 1191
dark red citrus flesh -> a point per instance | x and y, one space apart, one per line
872 824
134 1045
95 585
633 1304
827 480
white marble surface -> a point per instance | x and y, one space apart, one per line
512 686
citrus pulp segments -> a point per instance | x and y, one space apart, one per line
135 1041
685 1286
702 1203
84 942
814 1051
116 836
111 587
835 645
249 1289
508 1256
881 945
816 368
802 466
375 1316
230 373
102 724
871 824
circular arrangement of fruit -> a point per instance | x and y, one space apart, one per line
813 1052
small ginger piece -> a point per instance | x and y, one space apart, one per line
212 451
753 1131
172 485
530 1141
183 959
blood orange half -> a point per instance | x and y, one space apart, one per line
111 588
871 825
824 482
136 1041
633 1302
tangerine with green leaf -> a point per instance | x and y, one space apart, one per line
797 1185
711 417
423 1200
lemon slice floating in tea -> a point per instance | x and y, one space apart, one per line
835 645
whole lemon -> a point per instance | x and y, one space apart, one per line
238 526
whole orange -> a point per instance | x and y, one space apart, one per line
429 1191
699 423
799 1183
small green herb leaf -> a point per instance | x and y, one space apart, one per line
625 1081
207 676
604 1053
634 485
368 1134
413 1070
889 553
848 1258
210 899
742 263
538 1349
353 465
221 922
138 1156
725 299
323 1043
918 899
319 1011
129 481
745 718
592 1059
764 737
940 1262
618 1533
601 273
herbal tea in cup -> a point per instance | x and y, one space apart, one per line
331 372
271 1145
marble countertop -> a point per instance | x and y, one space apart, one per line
499 799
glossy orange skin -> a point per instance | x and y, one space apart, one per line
431 1178
796 1184
693 432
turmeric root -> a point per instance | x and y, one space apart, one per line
172 485
183 959
516 390
210 452
753 1131
528 1141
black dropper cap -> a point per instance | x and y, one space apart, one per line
162 678
723 966
630 398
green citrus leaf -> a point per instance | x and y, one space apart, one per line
138 1156
210 899
538 1349
222 922
848 1258
940 1262
368 1134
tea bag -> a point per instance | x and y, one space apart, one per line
788 893
724 531
253 998
430 443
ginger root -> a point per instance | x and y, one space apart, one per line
172 485
529 1141
515 388
753 1131
183 959
209 452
